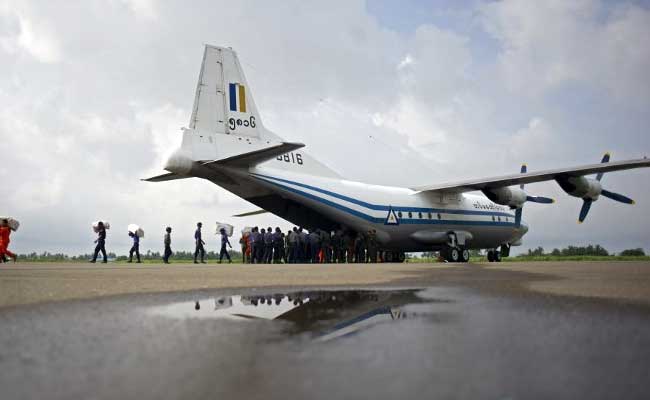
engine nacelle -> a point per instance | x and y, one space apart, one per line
511 197
581 187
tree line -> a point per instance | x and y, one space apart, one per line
590 250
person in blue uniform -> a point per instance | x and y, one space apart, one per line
199 244
224 242
101 243
168 245
135 248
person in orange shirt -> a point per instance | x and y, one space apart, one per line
5 231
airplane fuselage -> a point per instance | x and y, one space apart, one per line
420 222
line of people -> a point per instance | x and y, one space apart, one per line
268 246
199 251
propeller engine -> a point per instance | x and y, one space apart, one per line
515 197
589 190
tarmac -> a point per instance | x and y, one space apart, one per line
31 283
382 331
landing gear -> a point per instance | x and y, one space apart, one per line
464 256
455 254
494 256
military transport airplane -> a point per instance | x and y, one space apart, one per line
227 144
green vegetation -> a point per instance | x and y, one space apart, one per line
569 253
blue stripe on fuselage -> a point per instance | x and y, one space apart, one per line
386 208
375 220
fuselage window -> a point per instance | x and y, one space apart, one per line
430 216
399 214
493 218
439 216
420 215
410 215
499 219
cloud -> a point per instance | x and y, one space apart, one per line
547 44
93 96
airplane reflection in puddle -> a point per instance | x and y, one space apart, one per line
328 314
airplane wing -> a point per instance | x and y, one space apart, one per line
165 177
531 177
257 156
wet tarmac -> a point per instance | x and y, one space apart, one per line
339 343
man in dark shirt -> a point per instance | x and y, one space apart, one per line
199 244
278 246
101 243
168 245
135 248
268 245
224 242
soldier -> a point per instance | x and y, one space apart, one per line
167 241
278 245
255 242
224 242
199 244
314 246
243 242
287 250
268 246
135 248
304 245
101 243
293 244
336 246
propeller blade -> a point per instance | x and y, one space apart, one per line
605 159
586 205
617 197
518 217
540 199
524 169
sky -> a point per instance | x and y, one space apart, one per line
93 95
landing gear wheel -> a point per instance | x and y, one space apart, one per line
490 256
497 256
401 256
454 255
388 256
464 255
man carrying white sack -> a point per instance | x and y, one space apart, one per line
101 242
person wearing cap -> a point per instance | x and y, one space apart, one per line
135 248
199 244
167 240
224 242
101 243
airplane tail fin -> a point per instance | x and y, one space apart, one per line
225 127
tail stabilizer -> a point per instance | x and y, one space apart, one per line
166 177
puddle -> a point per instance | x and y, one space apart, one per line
325 314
